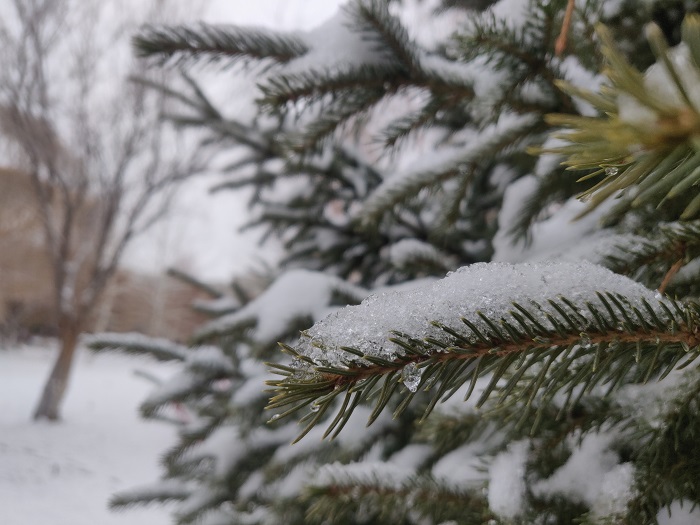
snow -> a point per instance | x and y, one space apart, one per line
458 73
445 161
632 111
210 357
462 466
157 347
554 236
335 44
294 482
679 513
225 446
176 386
412 456
611 8
561 236
379 473
65 473
651 402
659 83
592 476
487 287
506 490
615 491
222 305
251 390
405 251
579 76
512 13
294 294
426 23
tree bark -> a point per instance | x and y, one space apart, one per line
55 388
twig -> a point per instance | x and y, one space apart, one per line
669 275
560 44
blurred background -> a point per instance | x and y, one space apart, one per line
98 200
197 231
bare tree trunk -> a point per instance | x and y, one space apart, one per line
55 387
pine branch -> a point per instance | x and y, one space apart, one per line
646 143
372 17
214 43
421 256
650 257
309 85
158 493
344 109
343 491
623 343
523 51
553 186
668 457
194 282
446 432
137 344
402 187
198 503
179 389
400 129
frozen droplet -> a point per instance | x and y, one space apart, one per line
274 418
315 407
411 375
585 340
611 171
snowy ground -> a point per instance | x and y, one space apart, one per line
64 474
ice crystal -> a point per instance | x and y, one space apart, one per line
411 376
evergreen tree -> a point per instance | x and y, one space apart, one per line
551 391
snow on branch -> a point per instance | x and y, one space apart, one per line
343 491
373 19
396 189
138 344
554 326
162 491
296 294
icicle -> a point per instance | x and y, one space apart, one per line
411 375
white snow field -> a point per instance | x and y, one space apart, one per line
64 473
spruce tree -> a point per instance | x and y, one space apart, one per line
562 389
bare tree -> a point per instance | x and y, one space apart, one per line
101 161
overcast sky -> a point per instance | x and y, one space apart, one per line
201 235
282 14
